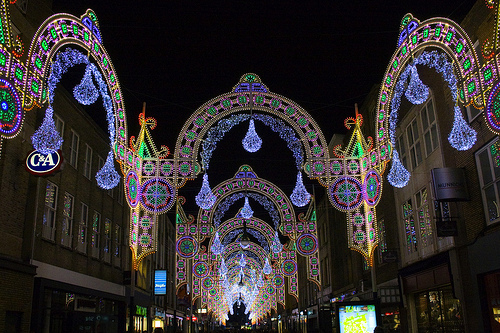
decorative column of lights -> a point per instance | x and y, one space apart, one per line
230 200
242 262
300 197
217 247
205 198
46 139
246 211
267 269
276 245
462 136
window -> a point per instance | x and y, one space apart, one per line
73 150
96 234
49 212
107 241
22 5
382 242
401 148
414 144
100 163
409 223
82 230
118 245
120 192
429 127
67 222
424 219
87 167
489 179
59 124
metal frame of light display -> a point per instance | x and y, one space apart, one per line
208 276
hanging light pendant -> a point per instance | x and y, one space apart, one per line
300 197
398 175
417 92
85 92
242 260
223 268
107 178
217 247
252 142
205 199
267 267
246 211
276 245
46 138
462 136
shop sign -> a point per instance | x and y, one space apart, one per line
141 311
450 184
446 228
40 164
160 282
389 256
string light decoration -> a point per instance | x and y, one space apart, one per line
398 175
462 136
217 247
223 269
86 93
300 197
252 142
205 198
46 138
276 245
417 92
242 262
246 211
267 269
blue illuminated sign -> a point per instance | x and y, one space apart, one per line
160 282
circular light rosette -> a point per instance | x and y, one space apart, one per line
157 195
207 283
11 111
372 187
289 267
186 247
200 269
346 193
307 244
132 188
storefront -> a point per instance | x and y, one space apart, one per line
63 308
431 304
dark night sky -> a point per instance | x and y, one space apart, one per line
324 55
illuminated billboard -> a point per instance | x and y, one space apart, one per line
357 317
160 282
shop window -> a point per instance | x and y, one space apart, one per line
382 242
491 297
107 241
67 222
438 311
96 234
489 179
49 213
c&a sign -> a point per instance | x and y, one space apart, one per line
40 164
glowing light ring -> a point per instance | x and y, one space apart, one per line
186 247
372 187
157 195
207 283
146 222
353 167
278 281
200 269
166 169
346 193
148 168
11 111
336 167
289 267
307 244
132 188
145 240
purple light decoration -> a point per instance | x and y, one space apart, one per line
46 138
223 268
205 199
398 176
417 92
462 136
246 211
242 260
267 267
107 178
217 247
86 93
300 197
276 245
252 142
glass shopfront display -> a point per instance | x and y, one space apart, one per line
491 297
438 311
